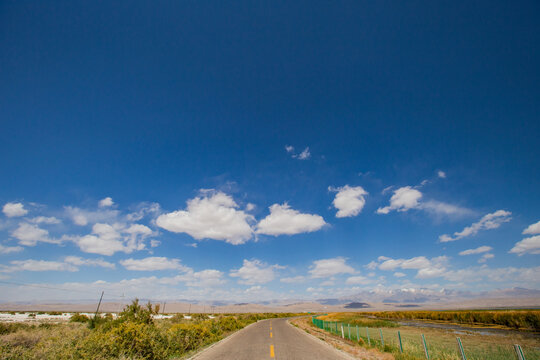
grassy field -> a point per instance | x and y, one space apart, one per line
441 343
134 334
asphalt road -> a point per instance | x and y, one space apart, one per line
271 339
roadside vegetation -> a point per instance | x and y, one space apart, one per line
441 343
134 334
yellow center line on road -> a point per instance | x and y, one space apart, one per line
272 351
270 334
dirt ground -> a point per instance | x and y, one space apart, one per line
347 346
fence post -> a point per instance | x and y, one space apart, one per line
461 351
382 339
400 344
425 346
357 334
349 326
342 332
368 340
519 352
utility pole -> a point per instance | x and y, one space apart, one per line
99 303
164 303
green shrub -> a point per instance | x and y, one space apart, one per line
79 318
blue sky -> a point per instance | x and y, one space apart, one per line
260 150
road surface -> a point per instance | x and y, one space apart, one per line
268 340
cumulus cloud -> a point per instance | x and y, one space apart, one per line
527 277
349 200
84 217
286 221
45 220
530 245
399 274
403 199
106 202
30 235
293 280
441 174
478 250
304 155
37 265
14 210
79 261
330 267
485 258
407 198
255 272
358 280
213 215
426 268
104 240
107 239
10 249
153 264
489 221
532 229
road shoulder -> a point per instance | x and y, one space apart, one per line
348 348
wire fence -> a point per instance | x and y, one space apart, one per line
411 345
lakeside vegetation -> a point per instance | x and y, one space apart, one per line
441 343
514 319
134 334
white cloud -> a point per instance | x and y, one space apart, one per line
358 280
293 280
210 217
154 243
83 217
142 210
250 207
30 235
349 200
407 198
489 221
153 264
532 229
530 245
427 268
485 258
399 274
255 272
14 210
37 265
441 174
330 267
304 155
78 261
478 250
206 278
107 239
108 201
403 199
45 220
441 208
10 249
527 277
286 221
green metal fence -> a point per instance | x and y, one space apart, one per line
400 342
